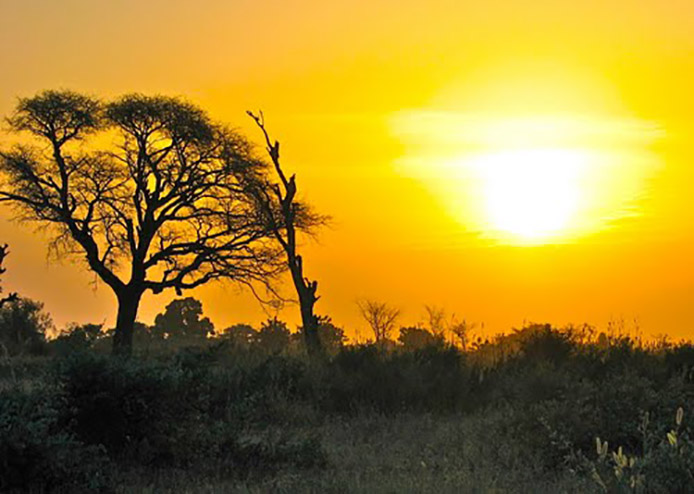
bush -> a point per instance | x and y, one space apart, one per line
665 465
186 411
39 452
23 327
273 336
76 338
125 404
183 319
368 377
414 338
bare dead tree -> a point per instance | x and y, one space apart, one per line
285 215
435 319
169 206
462 330
12 296
380 317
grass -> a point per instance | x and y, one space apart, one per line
388 454
516 414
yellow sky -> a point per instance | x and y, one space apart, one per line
404 120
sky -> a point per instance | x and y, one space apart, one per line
509 161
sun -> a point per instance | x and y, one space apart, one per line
530 195
530 180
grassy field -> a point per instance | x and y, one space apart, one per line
517 414
403 453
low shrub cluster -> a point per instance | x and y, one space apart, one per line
370 378
39 451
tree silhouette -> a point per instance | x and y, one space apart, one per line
242 335
435 319
23 326
182 318
77 337
380 317
462 331
273 335
285 215
332 338
168 206
414 338
12 296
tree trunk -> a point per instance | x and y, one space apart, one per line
310 323
128 303
307 300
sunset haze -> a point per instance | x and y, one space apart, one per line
509 161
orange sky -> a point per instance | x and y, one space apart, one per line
372 101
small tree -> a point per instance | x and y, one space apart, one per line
23 326
413 338
242 335
462 330
182 318
331 337
285 216
380 317
77 337
171 205
273 335
435 319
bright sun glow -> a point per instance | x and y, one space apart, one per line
532 194
529 180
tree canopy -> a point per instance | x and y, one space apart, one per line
23 326
171 204
183 318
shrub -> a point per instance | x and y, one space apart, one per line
369 377
39 452
76 338
273 336
665 465
121 404
183 411
414 338
23 327
182 318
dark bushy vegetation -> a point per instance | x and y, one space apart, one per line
23 327
39 451
250 405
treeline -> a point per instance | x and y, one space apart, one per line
27 329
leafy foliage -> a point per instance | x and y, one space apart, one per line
23 327
77 337
39 452
417 338
182 319
273 336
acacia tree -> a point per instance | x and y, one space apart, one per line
285 216
168 205
380 317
